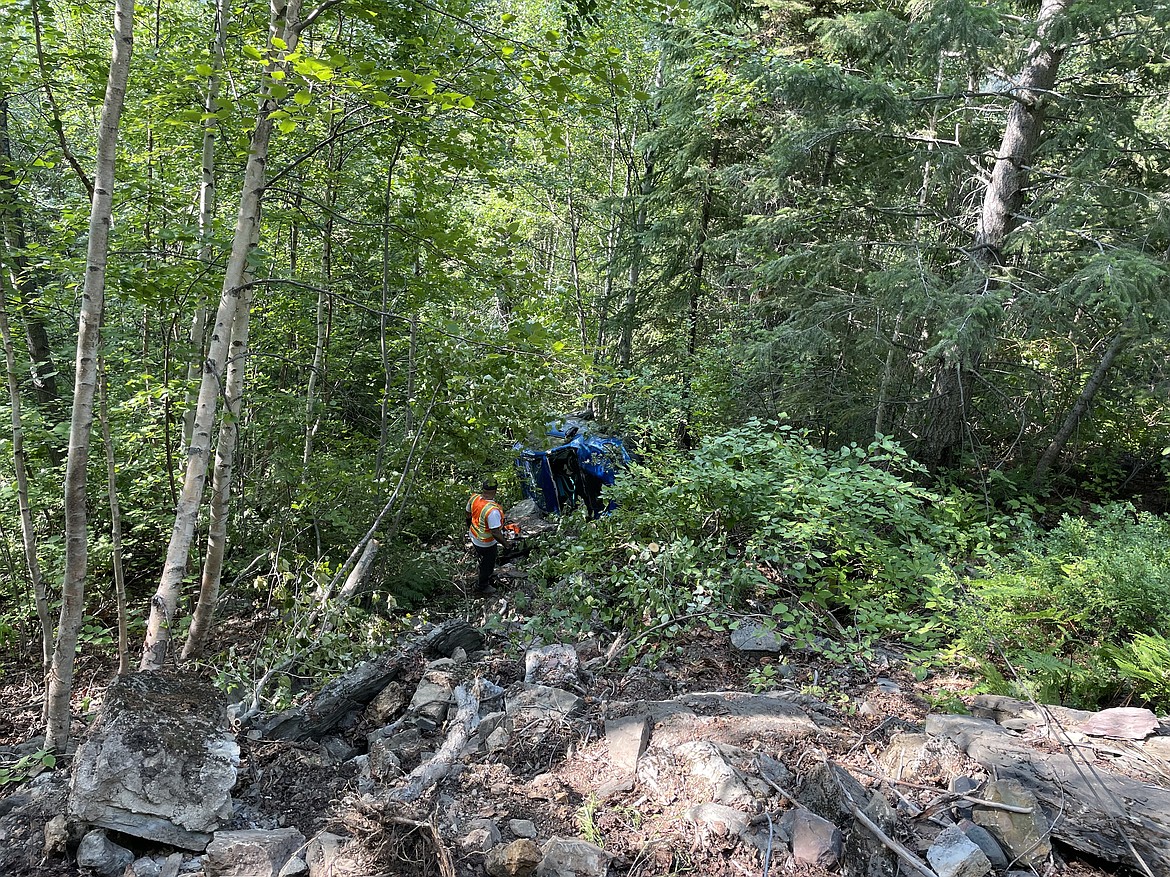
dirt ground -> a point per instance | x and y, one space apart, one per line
551 771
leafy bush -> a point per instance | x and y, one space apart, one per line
1068 610
759 519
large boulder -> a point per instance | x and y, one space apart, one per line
159 763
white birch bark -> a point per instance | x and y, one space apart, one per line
85 384
221 482
284 28
206 210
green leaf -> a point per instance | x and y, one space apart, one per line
302 97
203 69
287 126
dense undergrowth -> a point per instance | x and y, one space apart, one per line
843 549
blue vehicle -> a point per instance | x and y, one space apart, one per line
572 470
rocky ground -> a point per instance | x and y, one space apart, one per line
736 744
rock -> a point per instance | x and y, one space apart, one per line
478 840
982 838
382 762
732 717
159 763
627 738
56 835
433 698
1124 722
828 790
387 704
538 699
171 865
452 635
865 855
953 854
252 852
520 858
144 867
566 857
522 828
102 856
294 867
1100 813
729 785
757 637
812 839
1024 837
719 819
498 739
326 856
554 665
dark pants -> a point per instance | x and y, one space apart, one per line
487 565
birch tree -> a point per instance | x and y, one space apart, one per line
284 29
85 384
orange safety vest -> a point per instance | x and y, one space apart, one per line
481 507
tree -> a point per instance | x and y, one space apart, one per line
85 384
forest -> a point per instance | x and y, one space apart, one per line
876 294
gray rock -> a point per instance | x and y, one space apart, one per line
159 763
452 635
520 858
382 762
566 857
953 854
498 739
627 738
865 855
826 789
982 838
294 867
757 637
812 839
433 698
525 698
556 665
253 852
1023 836
719 819
171 865
729 785
483 824
144 867
522 828
100 855
478 840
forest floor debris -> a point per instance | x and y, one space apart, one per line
722 765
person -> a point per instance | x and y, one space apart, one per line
485 526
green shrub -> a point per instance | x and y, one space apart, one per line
759 519
1067 609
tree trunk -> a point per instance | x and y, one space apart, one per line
12 233
694 299
115 524
206 212
85 384
221 483
946 412
154 653
1078 410
28 534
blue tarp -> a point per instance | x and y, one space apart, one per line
572 471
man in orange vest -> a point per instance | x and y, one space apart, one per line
485 525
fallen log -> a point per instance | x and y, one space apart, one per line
1090 809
